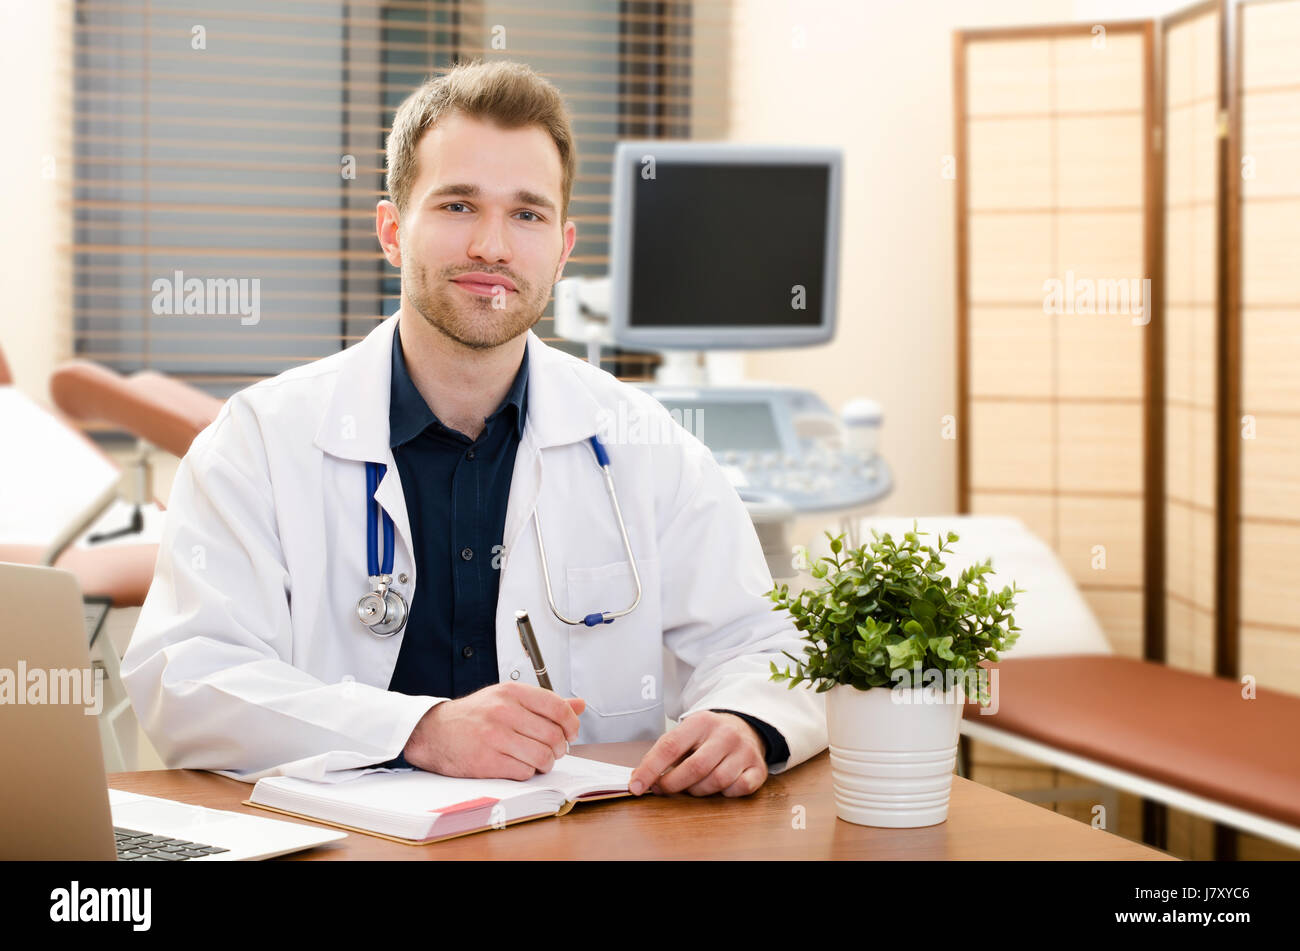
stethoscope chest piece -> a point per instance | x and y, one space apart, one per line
383 610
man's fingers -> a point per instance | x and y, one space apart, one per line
539 728
529 751
505 766
721 776
749 781
695 767
667 750
549 704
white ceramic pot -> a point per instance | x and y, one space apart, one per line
892 761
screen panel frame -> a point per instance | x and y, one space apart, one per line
627 156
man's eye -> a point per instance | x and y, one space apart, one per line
461 204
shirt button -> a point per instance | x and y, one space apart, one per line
469 454
514 674
466 553
467 651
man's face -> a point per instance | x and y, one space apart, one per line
486 200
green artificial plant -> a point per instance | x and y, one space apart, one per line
887 608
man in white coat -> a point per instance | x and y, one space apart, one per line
249 657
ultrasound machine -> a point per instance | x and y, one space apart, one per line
724 247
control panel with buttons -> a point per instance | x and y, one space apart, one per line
779 445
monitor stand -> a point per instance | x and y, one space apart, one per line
701 368
683 368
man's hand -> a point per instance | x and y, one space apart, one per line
725 755
504 731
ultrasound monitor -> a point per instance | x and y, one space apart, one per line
724 245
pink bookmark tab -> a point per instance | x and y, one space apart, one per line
467 805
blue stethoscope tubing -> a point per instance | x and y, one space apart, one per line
374 473
596 617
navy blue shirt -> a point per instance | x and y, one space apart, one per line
456 491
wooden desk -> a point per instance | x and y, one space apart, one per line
982 824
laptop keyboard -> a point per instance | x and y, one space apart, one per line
133 846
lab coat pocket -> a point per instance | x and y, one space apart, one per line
618 667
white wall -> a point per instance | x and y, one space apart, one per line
1099 10
35 321
876 78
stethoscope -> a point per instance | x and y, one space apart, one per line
384 611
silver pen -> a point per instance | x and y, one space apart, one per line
531 649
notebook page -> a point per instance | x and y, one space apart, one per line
413 791
412 803
401 792
575 776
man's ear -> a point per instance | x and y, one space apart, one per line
388 228
570 239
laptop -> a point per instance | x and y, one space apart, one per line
54 795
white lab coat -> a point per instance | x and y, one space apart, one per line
249 659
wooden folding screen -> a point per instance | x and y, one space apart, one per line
1264 270
1190 95
1191 317
1212 476
1054 178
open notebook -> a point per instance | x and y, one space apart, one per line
417 807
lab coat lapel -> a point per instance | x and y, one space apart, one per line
561 411
355 425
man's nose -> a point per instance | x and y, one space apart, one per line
488 242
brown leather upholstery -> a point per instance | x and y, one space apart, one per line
120 572
163 411
1182 729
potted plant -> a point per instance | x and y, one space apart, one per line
895 645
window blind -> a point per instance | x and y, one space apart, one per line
242 142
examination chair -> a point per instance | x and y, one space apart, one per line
157 410
1201 744
161 411
47 511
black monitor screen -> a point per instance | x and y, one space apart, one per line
728 245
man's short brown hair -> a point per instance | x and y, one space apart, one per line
508 93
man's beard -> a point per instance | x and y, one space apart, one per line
471 319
